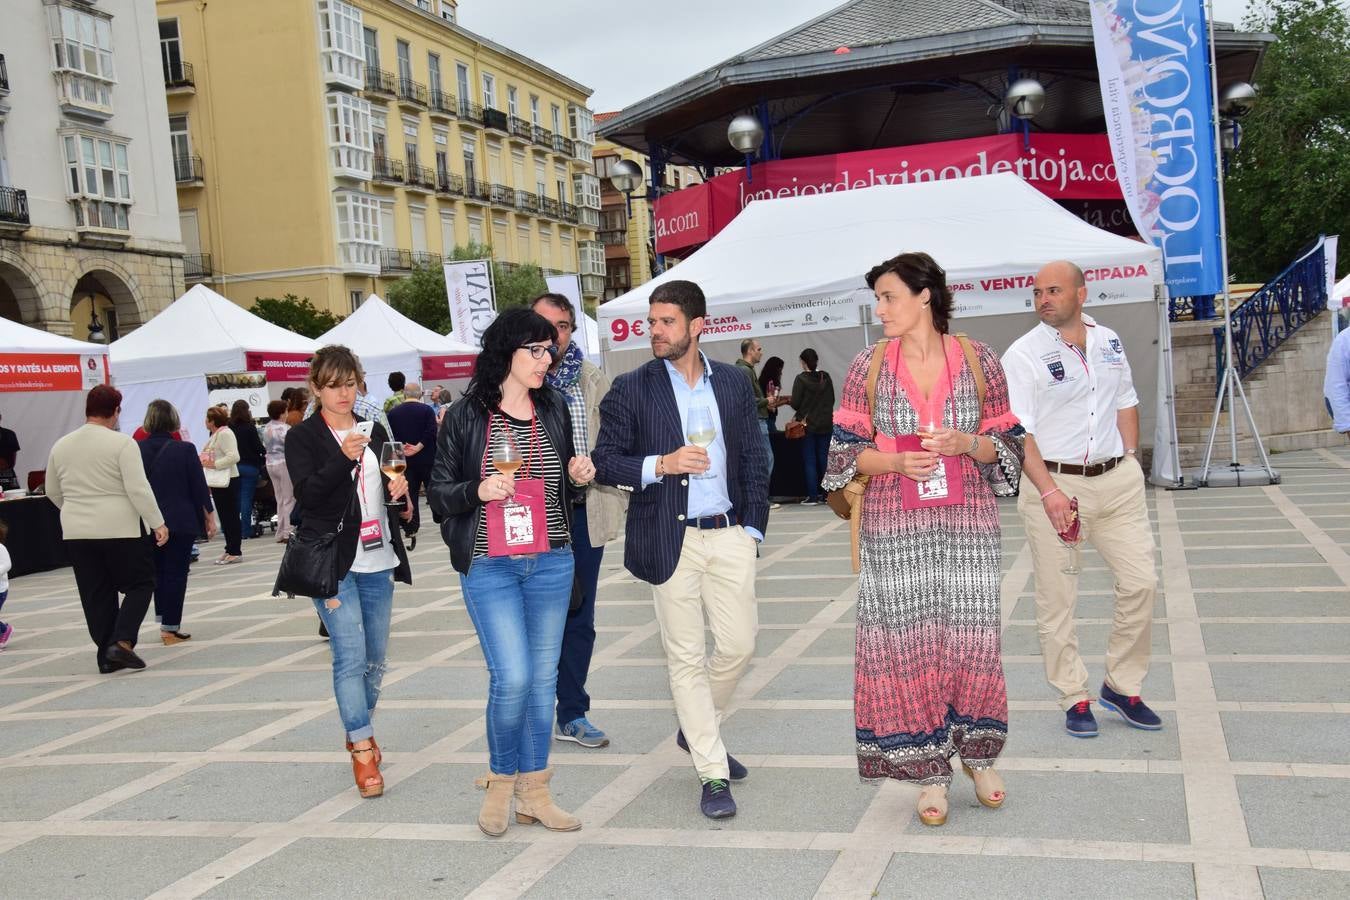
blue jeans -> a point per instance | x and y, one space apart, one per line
815 457
248 484
518 608
358 634
768 446
578 643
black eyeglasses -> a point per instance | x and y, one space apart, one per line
538 352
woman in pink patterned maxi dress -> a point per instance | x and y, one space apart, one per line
928 674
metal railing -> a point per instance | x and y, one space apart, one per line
520 128
549 207
393 260
1181 309
470 112
527 201
449 183
568 212
440 103
378 81
1273 314
411 91
419 176
502 195
495 119
14 206
382 168
476 191
197 266
563 145
614 237
542 136
178 75
188 169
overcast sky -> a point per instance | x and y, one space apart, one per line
625 51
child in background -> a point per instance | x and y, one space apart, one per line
5 630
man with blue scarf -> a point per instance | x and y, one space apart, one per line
596 520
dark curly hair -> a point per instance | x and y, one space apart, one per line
919 271
509 332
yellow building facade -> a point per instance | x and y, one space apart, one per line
626 224
324 148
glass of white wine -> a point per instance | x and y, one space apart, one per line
506 456
701 431
393 462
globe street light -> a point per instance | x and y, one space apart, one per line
1237 98
1025 98
626 177
746 135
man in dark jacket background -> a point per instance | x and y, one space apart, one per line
414 425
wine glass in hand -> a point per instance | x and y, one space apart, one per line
701 431
1070 538
393 463
506 456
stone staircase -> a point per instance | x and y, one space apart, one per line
1284 392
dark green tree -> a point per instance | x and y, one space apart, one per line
295 314
421 296
1290 179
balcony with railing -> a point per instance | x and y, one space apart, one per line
563 145
393 261
178 78
197 267
501 195
617 237
470 114
441 105
527 202
450 184
419 178
386 170
412 94
542 136
476 191
549 207
567 212
380 85
13 209
521 131
188 171
496 120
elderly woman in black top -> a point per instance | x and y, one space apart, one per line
339 488
517 600
179 483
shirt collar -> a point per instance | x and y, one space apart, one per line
675 373
1052 332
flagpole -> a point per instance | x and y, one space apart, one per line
1230 385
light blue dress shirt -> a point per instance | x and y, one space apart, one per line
707 496
1336 388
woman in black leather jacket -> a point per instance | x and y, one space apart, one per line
518 603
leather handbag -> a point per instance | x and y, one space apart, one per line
309 565
215 478
795 430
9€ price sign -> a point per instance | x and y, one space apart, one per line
623 329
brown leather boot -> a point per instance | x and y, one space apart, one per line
534 803
492 818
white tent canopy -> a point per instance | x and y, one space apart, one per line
388 341
39 417
1341 292
790 272
199 334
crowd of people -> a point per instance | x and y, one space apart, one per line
544 460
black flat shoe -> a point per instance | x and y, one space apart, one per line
107 668
122 656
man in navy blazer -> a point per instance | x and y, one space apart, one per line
695 518
413 424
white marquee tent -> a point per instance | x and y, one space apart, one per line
388 341
43 381
790 272
201 333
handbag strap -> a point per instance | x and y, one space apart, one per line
873 371
976 370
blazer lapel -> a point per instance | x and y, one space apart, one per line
659 388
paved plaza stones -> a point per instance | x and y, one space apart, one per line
219 770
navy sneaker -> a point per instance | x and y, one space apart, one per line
735 770
717 802
1133 710
581 731
1079 721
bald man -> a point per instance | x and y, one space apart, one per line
1069 385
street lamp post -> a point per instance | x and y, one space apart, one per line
746 135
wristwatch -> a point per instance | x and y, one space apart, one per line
1130 451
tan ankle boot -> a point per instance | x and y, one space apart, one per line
496 809
534 803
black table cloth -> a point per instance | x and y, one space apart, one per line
34 541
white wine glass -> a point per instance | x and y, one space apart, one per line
393 462
506 455
701 431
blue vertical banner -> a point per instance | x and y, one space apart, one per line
1153 63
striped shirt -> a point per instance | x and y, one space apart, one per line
543 462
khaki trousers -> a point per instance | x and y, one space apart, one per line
716 576
1115 523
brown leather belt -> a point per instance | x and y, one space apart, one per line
1091 471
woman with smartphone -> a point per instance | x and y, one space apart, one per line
503 481
334 460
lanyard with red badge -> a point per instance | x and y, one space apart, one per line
372 533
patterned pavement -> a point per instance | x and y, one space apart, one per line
219 770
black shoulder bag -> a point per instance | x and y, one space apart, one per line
309 564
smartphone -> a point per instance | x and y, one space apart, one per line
365 428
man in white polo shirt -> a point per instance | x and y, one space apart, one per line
1069 385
